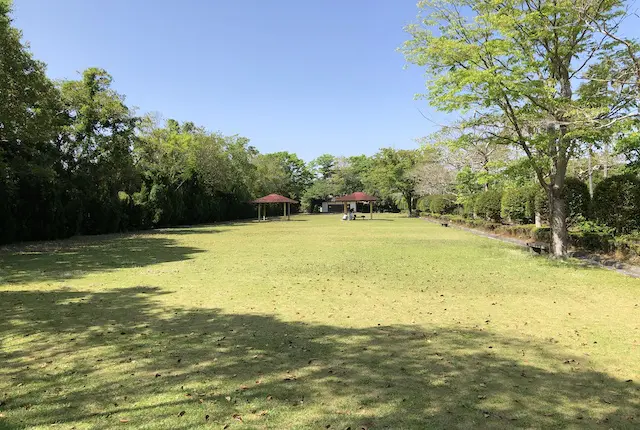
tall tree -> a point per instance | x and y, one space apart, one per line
514 65
31 120
323 166
349 174
392 172
283 173
97 149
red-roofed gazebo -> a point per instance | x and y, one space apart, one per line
275 198
358 197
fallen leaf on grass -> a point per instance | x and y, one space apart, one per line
226 426
206 417
1 415
263 413
227 398
124 420
237 417
269 397
182 413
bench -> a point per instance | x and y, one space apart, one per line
538 247
444 224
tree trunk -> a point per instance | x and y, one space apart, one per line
590 167
558 221
409 199
606 162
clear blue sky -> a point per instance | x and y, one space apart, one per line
301 76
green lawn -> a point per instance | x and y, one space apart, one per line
314 323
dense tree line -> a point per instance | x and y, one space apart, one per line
75 159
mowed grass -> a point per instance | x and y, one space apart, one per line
315 323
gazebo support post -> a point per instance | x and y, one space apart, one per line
274 199
371 210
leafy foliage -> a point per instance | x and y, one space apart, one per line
515 205
392 172
514 65
442 204
576 194
616 203
489 204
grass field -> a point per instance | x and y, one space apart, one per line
314 323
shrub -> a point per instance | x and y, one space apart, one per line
591 241
423 203
616 203
514 205
468 207
628 244
592 236
541 203
488 205
576 194
542 234
442 204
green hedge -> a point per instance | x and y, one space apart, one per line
541 204
515 205
489 204
576 194
628 244
616 203
442 204
424 203
586 235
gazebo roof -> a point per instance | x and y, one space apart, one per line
274 198
357 197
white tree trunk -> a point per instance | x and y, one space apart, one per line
590 167
558 220
538 219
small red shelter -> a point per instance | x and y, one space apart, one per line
358 197
275 198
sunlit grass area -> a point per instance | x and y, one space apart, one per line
314 323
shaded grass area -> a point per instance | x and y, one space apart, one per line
386 325
60 260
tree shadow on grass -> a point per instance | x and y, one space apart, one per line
93 359
187 230
72 258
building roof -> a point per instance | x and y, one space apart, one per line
274 198
357 197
